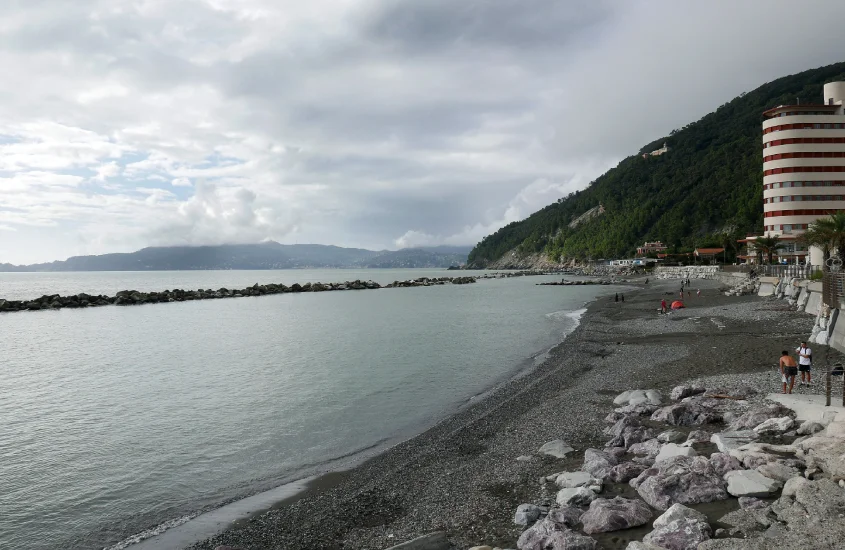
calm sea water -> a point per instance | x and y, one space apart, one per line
114 420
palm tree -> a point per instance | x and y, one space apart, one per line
768 245
818 236
729 240
830 230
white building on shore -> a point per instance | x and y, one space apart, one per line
803 168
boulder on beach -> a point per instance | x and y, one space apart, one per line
526 514
549 534
626 471
723 463
680 392
679 528
688 413
648 448
672 449
575 496
751 483
614 514
728 441
757 416
680 479
671 436
774 425
598 463
569 480
557 448
638 397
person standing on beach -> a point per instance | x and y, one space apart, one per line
698 293
805 363
623 298
617 296
663 305
788 370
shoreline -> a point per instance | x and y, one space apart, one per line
405 491
313 479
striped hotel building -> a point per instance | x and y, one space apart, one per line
803 167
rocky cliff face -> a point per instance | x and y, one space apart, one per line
514 260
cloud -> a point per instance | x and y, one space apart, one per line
375 123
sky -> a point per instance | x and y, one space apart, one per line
380 124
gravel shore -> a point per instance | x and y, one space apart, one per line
462 476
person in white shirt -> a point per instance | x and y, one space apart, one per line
805 363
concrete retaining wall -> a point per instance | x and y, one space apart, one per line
687 272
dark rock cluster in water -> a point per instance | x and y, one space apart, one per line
578 283
134 297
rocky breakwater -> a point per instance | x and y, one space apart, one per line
134 297
783 480
564 282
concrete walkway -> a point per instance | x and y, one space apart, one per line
811 407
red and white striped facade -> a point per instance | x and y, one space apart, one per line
803 166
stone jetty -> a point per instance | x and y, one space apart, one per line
134 297
579 283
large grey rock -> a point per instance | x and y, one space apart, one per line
431 541
698 436
557 448
548 534
526 514
778 471
575 496
637 545
723 463
808 427
757 416
792 485
680 479
568 516
672 436
672 449
746 521
688 413
827 453
680 392
598 463
638 397
630 436
647 448
752 503
614 514
728 441
679 528
750 483
626 471
774 425
568 480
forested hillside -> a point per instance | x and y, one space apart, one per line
708 183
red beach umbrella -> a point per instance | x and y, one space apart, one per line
677 304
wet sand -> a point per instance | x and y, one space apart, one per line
462 476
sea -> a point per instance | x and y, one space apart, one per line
117 423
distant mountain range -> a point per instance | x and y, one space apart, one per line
267 255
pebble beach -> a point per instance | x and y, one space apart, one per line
467 475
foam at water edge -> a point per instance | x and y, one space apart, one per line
152 532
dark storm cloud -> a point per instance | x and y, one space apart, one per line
435 25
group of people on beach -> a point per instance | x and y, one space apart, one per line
789 369
685 283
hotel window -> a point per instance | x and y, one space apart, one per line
787 227
828 126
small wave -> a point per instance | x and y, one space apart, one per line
152 532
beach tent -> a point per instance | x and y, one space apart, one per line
677 304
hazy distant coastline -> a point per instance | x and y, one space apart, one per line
266 255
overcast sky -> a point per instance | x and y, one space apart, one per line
379 124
